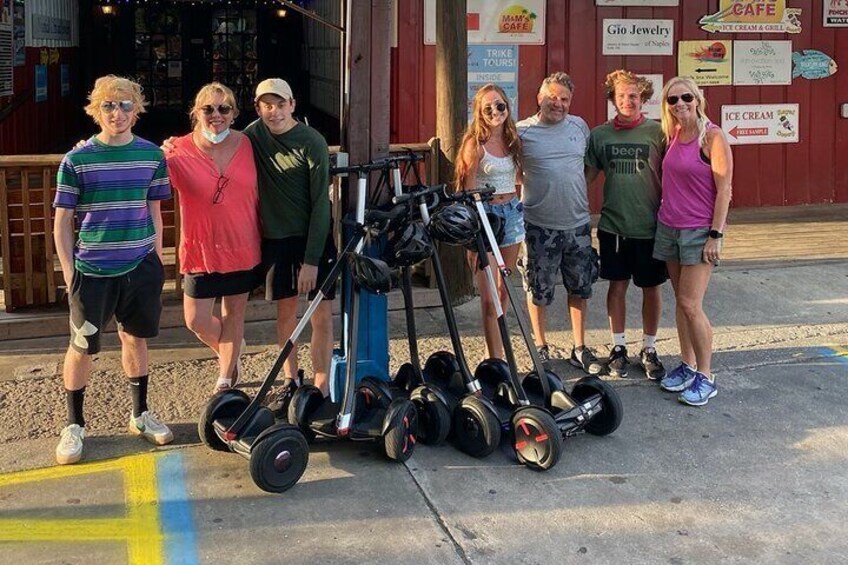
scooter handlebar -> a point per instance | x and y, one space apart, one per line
417 193
485 193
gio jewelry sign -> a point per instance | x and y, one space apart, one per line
638 37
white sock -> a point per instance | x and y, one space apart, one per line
649 341
618 339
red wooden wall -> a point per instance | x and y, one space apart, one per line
812 171
48 126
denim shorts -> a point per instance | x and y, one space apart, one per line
512 214
685 246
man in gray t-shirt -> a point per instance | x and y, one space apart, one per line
556 215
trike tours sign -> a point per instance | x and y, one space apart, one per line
753 16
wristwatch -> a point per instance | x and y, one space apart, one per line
715 234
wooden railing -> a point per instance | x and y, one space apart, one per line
31 273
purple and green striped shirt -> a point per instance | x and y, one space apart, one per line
108 187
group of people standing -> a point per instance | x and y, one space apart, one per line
254 207
666 194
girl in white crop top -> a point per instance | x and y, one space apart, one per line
491 154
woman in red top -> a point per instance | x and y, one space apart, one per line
213 172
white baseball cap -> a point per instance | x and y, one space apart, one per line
273 86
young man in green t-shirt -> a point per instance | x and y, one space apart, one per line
628 149
292 162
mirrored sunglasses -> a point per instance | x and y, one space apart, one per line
489 110
223 109
672 100
109 106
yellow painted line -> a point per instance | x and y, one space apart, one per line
140 527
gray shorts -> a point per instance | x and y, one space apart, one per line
685 246
568 251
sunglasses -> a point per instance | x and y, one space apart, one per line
672 100
219 194
223 109
109 106
489 110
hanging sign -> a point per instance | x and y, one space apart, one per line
637 2
760 123
651 108
708 62
757 63
19 33
495 21
835 13
65 79
753 16
812 64
40 83
638 37
497 64
6 48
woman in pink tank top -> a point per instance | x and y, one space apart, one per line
696 192
213 172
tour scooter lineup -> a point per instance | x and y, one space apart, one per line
443 400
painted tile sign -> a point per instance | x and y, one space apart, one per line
638 37
495 22
760 123
753 16
708 62
812 64
835 13
497 64
758 63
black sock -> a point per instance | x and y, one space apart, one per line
74 400
138 390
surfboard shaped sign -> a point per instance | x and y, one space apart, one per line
812 64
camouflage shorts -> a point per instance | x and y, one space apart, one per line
569 251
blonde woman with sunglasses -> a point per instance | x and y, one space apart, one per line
696 192
490 154
213 171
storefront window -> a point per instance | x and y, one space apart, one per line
234 51
158 48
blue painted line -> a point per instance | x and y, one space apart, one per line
838 355
175 511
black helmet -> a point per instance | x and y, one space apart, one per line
409 246
456 224
497 224
370 274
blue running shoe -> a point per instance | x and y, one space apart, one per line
679 379
699 392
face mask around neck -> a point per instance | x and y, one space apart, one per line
214 138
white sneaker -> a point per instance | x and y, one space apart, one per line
69 449
150 428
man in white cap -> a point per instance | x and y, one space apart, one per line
292 162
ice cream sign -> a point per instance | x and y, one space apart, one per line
761 123
753 16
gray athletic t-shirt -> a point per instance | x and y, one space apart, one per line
554 193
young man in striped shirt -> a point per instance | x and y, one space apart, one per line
114 184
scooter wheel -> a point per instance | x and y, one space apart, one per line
400 431
609 418
538 442
476 430
434 420
228 404
278 460
442 367
406 378
305 400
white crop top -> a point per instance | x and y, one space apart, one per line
496 171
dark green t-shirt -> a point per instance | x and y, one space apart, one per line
631 161
294 179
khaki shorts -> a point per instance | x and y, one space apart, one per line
684 246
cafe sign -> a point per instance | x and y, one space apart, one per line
753 16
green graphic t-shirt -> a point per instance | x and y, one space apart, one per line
631 161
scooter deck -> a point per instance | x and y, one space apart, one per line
368 424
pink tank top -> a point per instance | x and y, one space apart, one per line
688 187
223 237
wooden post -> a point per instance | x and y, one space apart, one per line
451 111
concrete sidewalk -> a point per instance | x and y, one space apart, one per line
757 476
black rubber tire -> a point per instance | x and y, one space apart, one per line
537 439
278 460
608 420
434 419
300 402
227 404
441 367
399 438
476 430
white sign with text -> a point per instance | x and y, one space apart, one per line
760 123
757 63
638 37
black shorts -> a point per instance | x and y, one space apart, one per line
215 285
135 299
282 259
623 258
